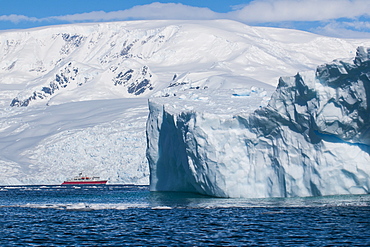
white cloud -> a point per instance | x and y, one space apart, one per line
150 11
342 30
17 18
256 12
358 25
262 11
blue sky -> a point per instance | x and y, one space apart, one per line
338 18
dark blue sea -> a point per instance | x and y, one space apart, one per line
118 215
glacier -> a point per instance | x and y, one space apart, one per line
309 137
73 98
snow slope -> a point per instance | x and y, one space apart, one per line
74 97
311 139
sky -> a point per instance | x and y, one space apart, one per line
335 18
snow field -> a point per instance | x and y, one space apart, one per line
79 118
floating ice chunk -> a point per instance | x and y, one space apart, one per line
311 139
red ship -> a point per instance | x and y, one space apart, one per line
81 180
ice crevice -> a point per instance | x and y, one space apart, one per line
312 138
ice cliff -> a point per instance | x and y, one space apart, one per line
312 138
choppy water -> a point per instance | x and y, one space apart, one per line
114 215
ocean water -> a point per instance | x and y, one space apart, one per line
118 215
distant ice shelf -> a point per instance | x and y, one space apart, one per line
311 139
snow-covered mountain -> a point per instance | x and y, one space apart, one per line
74 97
311 139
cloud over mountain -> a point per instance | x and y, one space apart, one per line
329 17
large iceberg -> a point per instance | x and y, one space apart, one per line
310 137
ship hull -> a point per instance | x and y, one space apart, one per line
84 182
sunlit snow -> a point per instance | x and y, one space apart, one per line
73 98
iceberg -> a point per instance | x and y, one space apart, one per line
309 137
